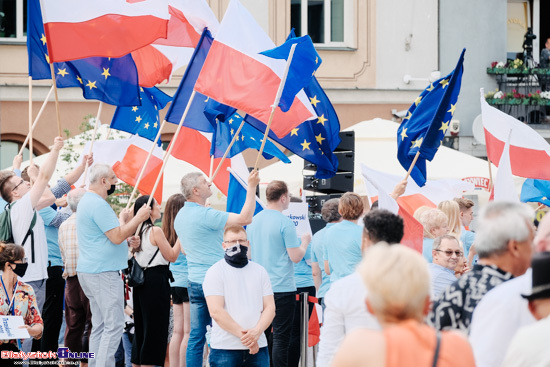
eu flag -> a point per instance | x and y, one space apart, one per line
305 62
537 191
248 137
427 121
111 80
142 120
195 116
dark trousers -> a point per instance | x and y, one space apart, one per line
78 317
294 351
278 334
151 317
52 314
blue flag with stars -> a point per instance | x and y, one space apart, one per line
195 118
248 137
536 191
111 80
305 62
427 121
142 120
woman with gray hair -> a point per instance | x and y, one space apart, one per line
398 285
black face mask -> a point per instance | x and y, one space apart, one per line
236 256
111 190
20 269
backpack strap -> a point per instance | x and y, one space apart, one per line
30 233
437 347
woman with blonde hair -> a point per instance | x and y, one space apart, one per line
435 224
398 284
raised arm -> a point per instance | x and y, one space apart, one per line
75 174
245 216
46 172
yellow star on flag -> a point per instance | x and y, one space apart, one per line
294 131
47 58
138 119
408 115
232 131
544 198
417 100
322 119
106 73
230 121
404 134
134 108
417 143
43 39
444 83
62 72
314 101
79 79
316 60
242 137
140 89
444 127
156 107
305 145
155 125
452 110
146 125
91 84
430 88
319 138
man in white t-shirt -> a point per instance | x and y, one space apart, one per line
240 300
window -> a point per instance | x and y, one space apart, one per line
328 22
8 150
13 20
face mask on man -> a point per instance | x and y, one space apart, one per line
236 256
111 190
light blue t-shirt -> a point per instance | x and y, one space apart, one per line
271 234
317 249
179 272
302 271
441 278
427 246
467 238
200 231
97 254
54 253
343 248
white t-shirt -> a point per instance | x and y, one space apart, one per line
21 217
243 290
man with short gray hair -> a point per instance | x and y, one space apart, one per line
446 254
504 243
200 231
103 252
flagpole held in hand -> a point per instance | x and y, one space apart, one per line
30 120
235 137
412 165
36 120
142 171
97 122
56 101
167 154
275 104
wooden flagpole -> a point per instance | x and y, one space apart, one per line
211 166
540 207
167 154
30 120
59 132
227 151
97 122
412 165
142 171
490 175
275 104
36 119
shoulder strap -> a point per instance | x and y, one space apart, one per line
155 254
437 347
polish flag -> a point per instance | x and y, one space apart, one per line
158 61
129 168
193 147
77 29
504 189
235 74
529 152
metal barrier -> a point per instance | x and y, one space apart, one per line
304 328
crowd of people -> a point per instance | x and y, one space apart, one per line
221 288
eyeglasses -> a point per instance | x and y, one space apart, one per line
235 242
16 186
449 253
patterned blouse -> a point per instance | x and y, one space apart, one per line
25 305
455 306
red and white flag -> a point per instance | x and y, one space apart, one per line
77 29
235 74
529 152
504 189
158 61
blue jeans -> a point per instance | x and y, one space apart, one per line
200 318
238 358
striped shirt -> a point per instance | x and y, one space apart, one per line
68 245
